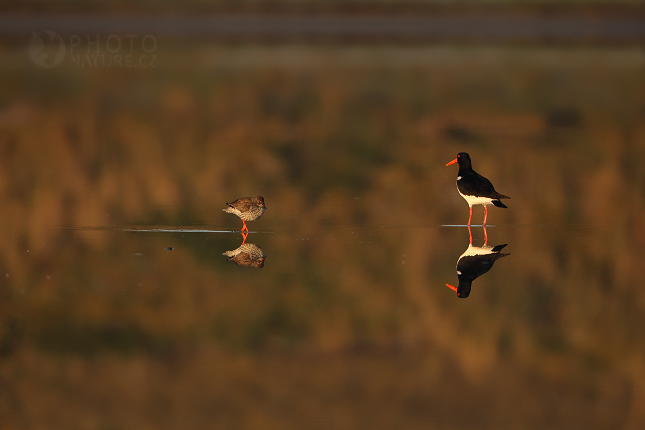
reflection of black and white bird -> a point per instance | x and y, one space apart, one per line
473 263
247 255
473 187
247 208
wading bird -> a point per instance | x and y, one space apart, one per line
247 208
474 188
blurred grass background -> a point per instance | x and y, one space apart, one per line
332 333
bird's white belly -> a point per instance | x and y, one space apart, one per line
477 250
474 200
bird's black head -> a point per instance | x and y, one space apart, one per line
259 200
463 289
463 159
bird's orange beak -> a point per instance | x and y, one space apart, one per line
451 287
452 162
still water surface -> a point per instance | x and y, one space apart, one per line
118 308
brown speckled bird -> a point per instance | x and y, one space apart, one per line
247 255
247 208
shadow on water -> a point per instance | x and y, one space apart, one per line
474 262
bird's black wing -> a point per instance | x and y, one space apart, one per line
474 184
473 266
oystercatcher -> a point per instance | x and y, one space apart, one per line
473 263
247 208
473 187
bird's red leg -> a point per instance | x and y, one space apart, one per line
485 215
470 234
471 216
485 236
244 227
244 236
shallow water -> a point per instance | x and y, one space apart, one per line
119 309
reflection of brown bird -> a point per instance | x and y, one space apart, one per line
247 255
247 208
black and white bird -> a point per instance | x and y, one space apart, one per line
474 188
473 263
